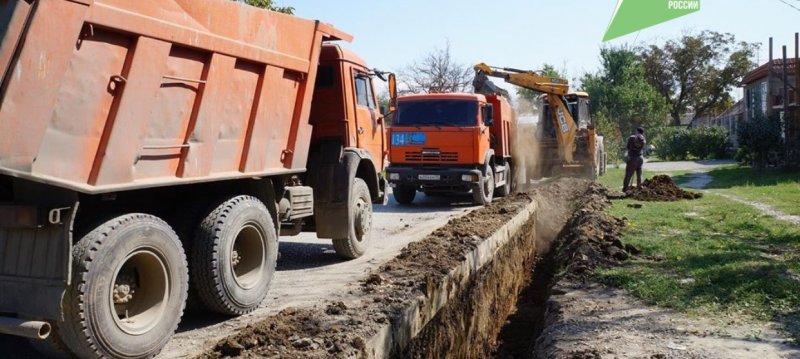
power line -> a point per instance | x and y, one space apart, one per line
790 5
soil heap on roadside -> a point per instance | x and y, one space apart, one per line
593 237
660 188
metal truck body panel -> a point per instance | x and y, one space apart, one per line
151 93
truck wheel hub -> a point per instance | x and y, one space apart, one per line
123 293
362 220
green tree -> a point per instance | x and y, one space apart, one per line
622 99
269 5
697 71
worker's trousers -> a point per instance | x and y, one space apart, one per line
633 165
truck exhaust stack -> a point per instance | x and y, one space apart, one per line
25 328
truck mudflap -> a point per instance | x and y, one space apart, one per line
463 178
35 259
332 171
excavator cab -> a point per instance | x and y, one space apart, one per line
578 105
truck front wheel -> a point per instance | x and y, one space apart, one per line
128 289
484 191
404 194
234 256
360 207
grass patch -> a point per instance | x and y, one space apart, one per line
712 256
778 188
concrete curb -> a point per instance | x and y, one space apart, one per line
417 314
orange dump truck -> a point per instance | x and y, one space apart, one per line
152 150
451 143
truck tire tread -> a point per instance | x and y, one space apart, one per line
74 330
206 274
347 247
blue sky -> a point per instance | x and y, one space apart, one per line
528 33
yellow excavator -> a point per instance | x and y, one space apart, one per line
566 139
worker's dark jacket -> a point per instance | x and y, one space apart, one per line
635 146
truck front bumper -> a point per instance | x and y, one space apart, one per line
434 179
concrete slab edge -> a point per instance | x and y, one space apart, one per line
417 314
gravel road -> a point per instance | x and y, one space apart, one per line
309 271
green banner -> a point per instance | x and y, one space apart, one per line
634 15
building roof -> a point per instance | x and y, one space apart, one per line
763 70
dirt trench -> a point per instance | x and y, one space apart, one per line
476 305
493 311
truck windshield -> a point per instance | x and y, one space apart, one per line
452 113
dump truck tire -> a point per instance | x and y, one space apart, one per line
128 289
360 207
234 256
482 194
404 194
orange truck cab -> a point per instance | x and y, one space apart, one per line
454 142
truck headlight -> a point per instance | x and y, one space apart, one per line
394 176
469 178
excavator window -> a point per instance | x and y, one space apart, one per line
584 117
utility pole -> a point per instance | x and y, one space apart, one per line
786 118
767 98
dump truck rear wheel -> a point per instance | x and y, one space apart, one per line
234 256
404 194
482 194
128 289
360 207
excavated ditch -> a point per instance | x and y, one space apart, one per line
445 297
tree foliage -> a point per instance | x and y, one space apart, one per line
270 5
436 72
622 99
697 71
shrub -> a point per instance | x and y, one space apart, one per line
673 144
708 143
678 143
759 137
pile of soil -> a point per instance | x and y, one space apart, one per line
660 189
296 333
339 330
593 237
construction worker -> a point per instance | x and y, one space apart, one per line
635 145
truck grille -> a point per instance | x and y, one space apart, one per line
430 157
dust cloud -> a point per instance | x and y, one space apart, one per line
525 147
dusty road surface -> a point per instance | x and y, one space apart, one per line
309 272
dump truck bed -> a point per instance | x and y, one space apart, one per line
111 95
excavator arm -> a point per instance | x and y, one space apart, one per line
554 89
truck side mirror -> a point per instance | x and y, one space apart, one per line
488 115
392 93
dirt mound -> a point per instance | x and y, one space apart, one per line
593 237
294 333
660 189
